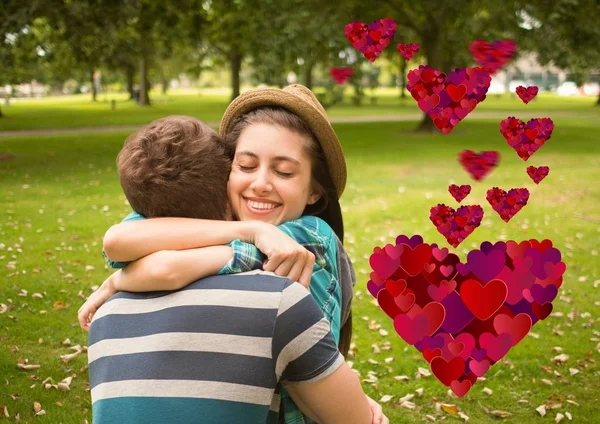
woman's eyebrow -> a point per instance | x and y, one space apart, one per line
276 158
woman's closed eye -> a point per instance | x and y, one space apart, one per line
250 168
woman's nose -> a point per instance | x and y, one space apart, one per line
262 182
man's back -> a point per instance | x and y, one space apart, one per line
212 352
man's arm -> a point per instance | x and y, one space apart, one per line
309 365
337 398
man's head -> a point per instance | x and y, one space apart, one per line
175 166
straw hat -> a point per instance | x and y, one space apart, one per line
302 102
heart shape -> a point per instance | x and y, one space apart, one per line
408 50
464 326
507 204
448 99
526 139
493 56
527 94
456 225
537 174
340 75
371 39
459 192
478 165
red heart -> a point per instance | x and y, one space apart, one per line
537 174
493 56
542 311
447 322
405 300
453 224
478 164
459 193
507 204
483 301
408 50
527 94
395 287
517 327
447 103
373 38
526 139
447 371
460 388
413 260
340 75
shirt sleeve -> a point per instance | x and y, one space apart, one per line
347 279
246 257
303 346
133 216
312 233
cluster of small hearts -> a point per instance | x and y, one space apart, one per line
465 317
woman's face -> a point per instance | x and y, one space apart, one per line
270 176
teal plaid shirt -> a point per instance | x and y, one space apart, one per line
315 235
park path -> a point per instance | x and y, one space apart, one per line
333 120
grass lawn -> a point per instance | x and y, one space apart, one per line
58 195
79 111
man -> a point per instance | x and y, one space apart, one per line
218 351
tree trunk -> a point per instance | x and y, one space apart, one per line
144 97
433 52
308 74
402 78
165 84
235 62
94 91
1 112
129 76
598 102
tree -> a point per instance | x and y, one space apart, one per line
566 33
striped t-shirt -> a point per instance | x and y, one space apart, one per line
212 352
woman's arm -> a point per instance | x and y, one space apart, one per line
129 241
172 269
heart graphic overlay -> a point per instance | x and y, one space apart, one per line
527 94
493 56
448 99
478 164
537 174
456 225
507 204
526 139
459 192
371 39
340 75
464 323
408 50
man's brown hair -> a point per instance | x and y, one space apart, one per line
175 166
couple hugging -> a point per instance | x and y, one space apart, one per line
232 303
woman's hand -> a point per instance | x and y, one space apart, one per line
285 256
97 299
377 411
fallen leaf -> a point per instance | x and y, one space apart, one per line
569 416
423 372
559 417
546 381
419 391
541 410
401 378
60 305
28 367
573 371
487 391
561 358
5 411
37 407
386 398
449 408
463 416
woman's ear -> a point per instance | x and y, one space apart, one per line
314 198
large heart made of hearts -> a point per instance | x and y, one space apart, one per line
448 99
340 75
527 94
493 56
456 225
507 204
465 317
478 164
526 139
373 38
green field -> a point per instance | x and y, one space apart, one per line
59 194
209 105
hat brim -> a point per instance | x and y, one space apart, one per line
319 125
